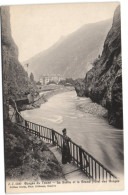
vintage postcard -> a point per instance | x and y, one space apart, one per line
62 97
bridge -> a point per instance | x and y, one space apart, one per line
94 171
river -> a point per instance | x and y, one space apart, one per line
93 133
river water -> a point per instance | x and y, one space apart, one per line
94 134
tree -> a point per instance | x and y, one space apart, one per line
51 82
38 83
67 81
95 62
31 77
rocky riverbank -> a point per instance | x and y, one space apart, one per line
92 108
44 98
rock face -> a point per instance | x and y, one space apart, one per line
15 78
103 83
27 158
72 55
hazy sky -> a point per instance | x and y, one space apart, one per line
37 27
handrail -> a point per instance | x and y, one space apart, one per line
85 161
76 145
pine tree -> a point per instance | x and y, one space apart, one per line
31 77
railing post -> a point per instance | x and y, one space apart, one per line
53 137
39 134
16 114
80 157
26 124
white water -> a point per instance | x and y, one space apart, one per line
94 134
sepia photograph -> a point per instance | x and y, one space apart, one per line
62 97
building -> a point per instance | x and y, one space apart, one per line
45 79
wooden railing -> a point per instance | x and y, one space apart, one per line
85 161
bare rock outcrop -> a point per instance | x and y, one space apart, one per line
15 78
103 83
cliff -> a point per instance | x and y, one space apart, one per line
103 83
15 78
72 55
27 158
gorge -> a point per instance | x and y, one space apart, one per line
101 88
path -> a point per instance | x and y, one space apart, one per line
70 171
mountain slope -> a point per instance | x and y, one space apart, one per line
103 83
73 53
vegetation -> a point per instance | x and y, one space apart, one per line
52 82
38 83
31 77
67 82
95 61
27 157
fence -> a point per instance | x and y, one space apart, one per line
86 162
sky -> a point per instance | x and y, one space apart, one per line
37 27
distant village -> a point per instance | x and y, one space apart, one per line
46 79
